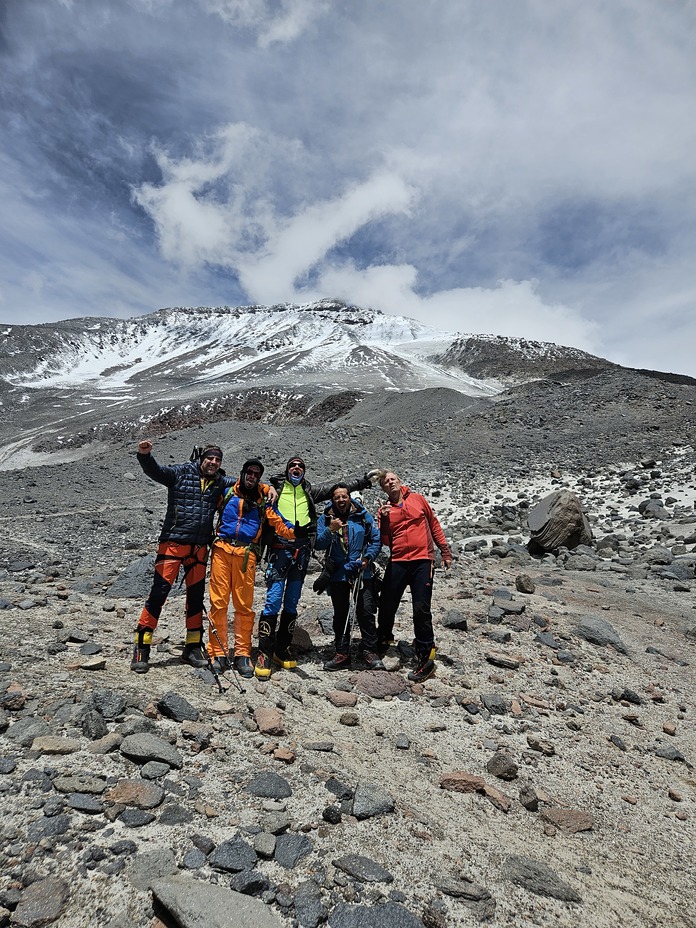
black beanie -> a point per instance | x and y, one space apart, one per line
295 457
210 450
250 463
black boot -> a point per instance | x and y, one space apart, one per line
141 649
194 653
425 664
282 654
267 634
340 660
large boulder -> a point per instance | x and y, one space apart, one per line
558 520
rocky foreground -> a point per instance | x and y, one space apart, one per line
544 775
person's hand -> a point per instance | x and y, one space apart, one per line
375 474
272 495
301 531
447 562
335 524
352 568
144 446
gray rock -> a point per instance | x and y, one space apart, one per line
547 639
538 878
135 818
84 802
195 904
80 783
670 753
194 859
176 707
363 869
388 915
249 882
558 519
175 814
41 903
233 856
144 747
340 790
463 889
148 867
455 621
501 765
495 703
135 580
49 827
291 848
25 730
529 798
370 800
269 785
599 631
108 703
154 769
93 725
524 584
309 909
264 844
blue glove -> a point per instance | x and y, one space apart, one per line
352 568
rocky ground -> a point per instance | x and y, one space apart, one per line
543 776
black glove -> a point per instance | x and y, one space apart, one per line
301 531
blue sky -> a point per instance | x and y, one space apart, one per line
523 167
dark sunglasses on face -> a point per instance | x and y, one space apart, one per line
253 473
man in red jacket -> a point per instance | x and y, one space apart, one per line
409 528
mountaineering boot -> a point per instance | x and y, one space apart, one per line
141 650
267 633
425 666
384 642
338 661
373 661
243 666
262 669
282 654
220 664
194 653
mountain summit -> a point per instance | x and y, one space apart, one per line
73 381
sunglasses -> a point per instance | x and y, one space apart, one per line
253 473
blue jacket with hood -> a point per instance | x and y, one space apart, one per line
358 540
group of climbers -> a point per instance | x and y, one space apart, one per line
285 510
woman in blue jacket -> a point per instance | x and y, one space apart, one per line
349 535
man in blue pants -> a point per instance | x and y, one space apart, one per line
289 560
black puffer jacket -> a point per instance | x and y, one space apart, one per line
190 511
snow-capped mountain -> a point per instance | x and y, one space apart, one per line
323 344
63 385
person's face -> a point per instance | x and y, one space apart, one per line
210 465
252 477
341 500
295 469
391 484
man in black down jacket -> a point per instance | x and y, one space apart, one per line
194 491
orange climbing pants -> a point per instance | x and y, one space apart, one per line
171 557
230 576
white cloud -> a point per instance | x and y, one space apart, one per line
274 22
522 167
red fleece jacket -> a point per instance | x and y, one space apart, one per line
411 528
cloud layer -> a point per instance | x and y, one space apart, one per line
519 169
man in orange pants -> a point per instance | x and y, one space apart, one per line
244 508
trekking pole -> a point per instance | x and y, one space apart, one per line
353 605
226 654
